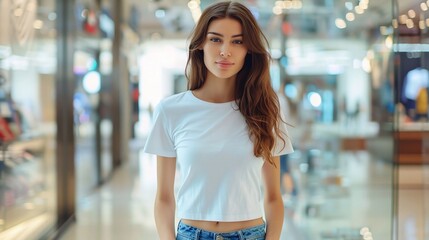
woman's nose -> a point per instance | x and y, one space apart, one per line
224 51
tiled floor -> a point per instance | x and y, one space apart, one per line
122 208
350 194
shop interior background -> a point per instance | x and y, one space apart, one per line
343 66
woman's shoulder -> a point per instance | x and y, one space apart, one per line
174 99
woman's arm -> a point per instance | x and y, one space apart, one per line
165 205
273 203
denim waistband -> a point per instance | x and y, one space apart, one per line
185 231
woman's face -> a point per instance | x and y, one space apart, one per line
224 50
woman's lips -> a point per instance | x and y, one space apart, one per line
224 64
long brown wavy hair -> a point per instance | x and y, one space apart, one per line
255 97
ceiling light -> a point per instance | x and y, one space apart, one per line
403 19
411 13
350 16
349 6
427 22
410 23
423 6
364 4
38 24
422 24
193 4
277 10
359 10
340 23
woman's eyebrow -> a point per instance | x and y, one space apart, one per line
218 34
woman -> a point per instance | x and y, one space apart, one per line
225 135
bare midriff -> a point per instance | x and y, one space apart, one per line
219 227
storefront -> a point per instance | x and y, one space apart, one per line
28 68
411 55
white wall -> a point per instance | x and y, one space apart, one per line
159 62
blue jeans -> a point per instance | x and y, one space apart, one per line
186 232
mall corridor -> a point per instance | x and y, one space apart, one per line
123 207
80 81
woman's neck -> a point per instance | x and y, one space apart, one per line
216 90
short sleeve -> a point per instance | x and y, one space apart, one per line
159 140
282 148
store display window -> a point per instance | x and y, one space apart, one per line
413 86
27 118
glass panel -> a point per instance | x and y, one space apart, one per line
27 117
412 82
339 83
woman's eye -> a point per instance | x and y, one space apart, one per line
238 41
215 39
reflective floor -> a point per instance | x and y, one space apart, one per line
123 207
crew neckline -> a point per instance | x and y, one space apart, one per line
192 95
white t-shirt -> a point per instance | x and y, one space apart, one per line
220 176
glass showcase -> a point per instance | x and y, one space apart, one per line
27 117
